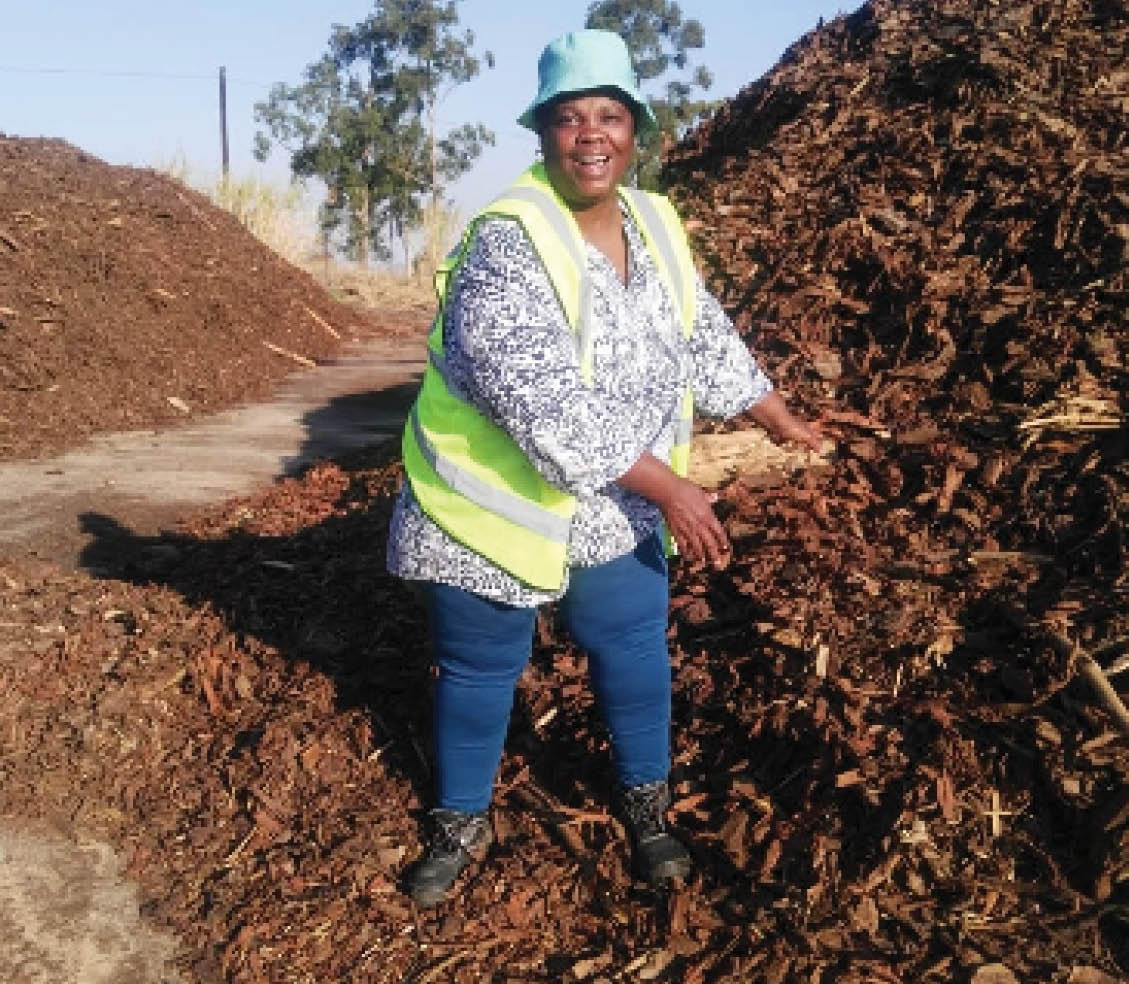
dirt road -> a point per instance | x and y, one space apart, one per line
148 479
68 917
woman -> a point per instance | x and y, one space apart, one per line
547 450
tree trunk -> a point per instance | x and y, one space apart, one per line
364 229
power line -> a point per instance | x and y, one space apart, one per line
127 75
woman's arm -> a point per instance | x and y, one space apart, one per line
728 381
773 415
686 507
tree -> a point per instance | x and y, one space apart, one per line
364 121
660 41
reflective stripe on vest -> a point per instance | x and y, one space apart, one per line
552 214
505 504
683 432
649 219
568 234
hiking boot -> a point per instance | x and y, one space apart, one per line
457 838
657 855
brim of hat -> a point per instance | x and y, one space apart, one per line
645 121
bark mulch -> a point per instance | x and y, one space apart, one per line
129 301
891 761
884 773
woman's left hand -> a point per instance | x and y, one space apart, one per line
773 415
802 432
686 508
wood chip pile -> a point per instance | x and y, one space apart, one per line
920 218
241 708
128 300
889 762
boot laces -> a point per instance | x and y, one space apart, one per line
645 806
453 831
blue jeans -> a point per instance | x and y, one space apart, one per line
617 612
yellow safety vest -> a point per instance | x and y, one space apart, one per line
467 473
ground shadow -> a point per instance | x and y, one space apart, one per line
319 594
352 422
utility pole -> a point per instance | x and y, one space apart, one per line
223 118
433 225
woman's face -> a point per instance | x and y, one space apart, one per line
588 142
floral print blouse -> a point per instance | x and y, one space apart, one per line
511 353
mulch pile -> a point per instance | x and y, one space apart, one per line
130 301
889 760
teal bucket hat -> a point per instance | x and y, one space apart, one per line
584 60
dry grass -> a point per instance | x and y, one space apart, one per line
280 216
378 290
284 217
382 289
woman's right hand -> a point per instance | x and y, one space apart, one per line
689 515
686 507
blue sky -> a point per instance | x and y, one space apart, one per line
135 81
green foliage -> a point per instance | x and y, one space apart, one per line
660 42
363 121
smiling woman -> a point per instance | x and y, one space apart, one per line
547 452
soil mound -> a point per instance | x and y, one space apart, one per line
128 300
